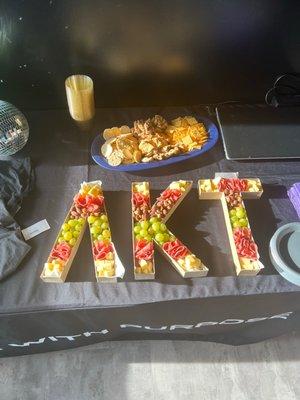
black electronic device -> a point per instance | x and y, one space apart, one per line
259 131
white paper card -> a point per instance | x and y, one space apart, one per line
35 229
120 270
226 175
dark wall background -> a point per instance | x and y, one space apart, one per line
146 52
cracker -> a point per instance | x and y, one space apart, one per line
137 156
115 130
124 129
108 134
191 120
115 158
145 147
107 148
123 143
128 153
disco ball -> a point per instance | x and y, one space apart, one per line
14 129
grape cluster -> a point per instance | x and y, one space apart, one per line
238 217
70 231
99 228
152 229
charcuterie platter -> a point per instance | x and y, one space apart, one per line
154 142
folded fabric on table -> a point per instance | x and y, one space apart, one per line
16 179
294 196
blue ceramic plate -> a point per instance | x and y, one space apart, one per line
100 160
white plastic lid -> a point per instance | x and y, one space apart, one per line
285 252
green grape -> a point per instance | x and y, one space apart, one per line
172 238
104 225
240 212
159 237
72 222
65 227
166 237
163 227
233 219
236 224
100 238
68 236
148 238
99 230
243 222
95 230
138 237
60 239
72 241
145 224
76 234
143 232
232 212
137 229
153 220
91 219
103 217
97 222
106 234
156 227
150 231
78 227
80 221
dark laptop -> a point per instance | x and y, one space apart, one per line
259 132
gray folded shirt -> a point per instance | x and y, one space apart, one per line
16 179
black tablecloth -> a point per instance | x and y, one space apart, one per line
37 316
